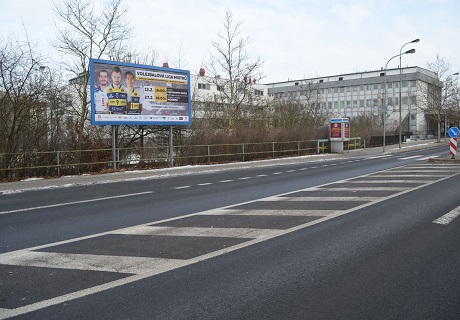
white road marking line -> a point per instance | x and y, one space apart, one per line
123 264
182 187
205 184
377 157
262 212
329 199
291 171
411 157
277 173
448 217
245 178
225 181
75 202
198 232
427 158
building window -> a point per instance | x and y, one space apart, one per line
412 83
340 78
220 88
404 84
390 85
204 86
376 86
260 93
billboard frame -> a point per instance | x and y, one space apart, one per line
169 85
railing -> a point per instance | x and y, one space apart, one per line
59 163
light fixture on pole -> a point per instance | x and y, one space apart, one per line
444 105
384 113
400 88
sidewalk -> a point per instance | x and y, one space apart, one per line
89 179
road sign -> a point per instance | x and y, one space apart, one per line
454 132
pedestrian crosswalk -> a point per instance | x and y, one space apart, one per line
118 257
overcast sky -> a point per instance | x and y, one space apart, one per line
295 39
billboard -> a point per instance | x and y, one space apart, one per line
132 94
339 129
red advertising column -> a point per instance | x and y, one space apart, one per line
339 132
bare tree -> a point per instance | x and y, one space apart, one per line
22 106
431 101
89 33
232 70
452 102
304 105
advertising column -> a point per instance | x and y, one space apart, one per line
339 132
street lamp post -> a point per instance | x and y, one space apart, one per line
444 105
400 88
386 93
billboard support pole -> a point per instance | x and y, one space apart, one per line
171 160
114 148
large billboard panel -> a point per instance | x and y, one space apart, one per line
132 94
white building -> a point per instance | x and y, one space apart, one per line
353 94
344 95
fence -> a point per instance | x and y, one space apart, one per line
377 141
59 163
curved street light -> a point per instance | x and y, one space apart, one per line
400 80
386 89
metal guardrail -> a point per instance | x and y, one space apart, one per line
59 163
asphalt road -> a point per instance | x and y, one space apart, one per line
341 238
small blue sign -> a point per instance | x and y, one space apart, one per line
454 132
